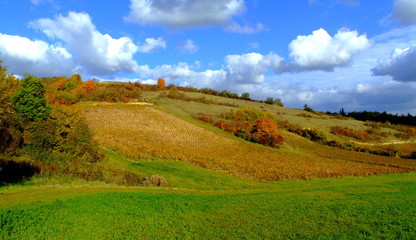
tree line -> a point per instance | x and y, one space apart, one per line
383 117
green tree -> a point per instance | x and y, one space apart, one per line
245 95
269 100
73 82
279 102
30 100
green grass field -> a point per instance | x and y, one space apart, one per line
209 205
379 207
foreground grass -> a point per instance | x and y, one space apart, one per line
378 207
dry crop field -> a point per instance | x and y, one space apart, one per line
146 133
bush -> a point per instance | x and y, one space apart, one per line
250 124
155 180
247 114
348 132
312 134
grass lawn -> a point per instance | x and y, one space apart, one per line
377 207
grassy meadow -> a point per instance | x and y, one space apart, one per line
377 207
219 186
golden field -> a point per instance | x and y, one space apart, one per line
146 133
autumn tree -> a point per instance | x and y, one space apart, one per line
10 129
161 83
8 87
265 131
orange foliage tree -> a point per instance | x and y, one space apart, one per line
161 83
265 132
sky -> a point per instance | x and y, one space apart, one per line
330 54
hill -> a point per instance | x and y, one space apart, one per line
144 132
199 181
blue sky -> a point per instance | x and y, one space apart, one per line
329 54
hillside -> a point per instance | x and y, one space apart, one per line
144 132
217 185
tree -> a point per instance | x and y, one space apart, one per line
269 100
224 93
278 102
245 95
161 83
8 87
265 132
10 129
73 82
30 100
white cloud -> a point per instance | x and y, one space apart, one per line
237 28
190 13
401 65
351 3
188 46
36 57
38 2
320 51
250 68
152 45
99 53
404 12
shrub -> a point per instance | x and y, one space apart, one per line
155 180
348 132
250 124
312 134
247 114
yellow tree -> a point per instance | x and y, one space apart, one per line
10 130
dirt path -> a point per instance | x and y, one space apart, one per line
395 142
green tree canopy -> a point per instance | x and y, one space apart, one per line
245 95
30 100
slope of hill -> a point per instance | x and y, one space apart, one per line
144 132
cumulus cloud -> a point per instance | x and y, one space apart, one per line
320 51
36 57
191 13
152 45
245 69
404 12
99 53
184 13
188 46
250 68
401 65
